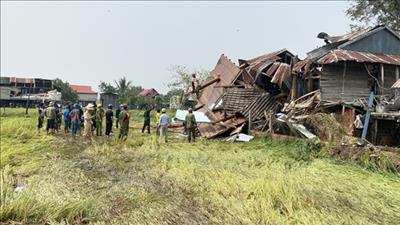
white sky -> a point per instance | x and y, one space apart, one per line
86 42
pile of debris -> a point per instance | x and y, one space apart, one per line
241 98
348 86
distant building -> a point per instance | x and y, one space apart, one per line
109 98
17 91
149 92
85 93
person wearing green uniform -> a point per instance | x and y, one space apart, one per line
146 123
124 123
117 112
191 125
50 114
99 120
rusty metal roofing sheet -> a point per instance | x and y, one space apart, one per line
396 84
346 55
236 98
262 103
213 130
281 74
271 71
302 66
227 71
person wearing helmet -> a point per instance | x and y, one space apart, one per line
163 124
124 123
99 120
50 114
109 119
191 125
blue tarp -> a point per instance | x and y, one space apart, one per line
200 116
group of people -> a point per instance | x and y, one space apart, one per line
91 120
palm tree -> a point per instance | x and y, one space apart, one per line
123 87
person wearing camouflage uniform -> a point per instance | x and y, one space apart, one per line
99 120
191 125
124 123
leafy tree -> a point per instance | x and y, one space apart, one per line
107 87
182 77
67 93
373 12
123 86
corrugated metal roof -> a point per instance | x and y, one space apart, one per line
257 108
396 84
227 72
346 55
235 99
148 91
82 89
213 130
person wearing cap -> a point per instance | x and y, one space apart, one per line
67 118
191 125
41 115
99 120
88 118
163 124
117 112
75 119
124 123
50 114
146 116
109 119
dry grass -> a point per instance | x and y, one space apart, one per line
143 181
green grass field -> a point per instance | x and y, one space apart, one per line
50 180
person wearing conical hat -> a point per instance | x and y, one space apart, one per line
88 118
163 124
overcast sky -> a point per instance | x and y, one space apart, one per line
89 42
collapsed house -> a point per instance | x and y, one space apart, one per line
343 73
337 78
238 97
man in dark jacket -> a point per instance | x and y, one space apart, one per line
146 116
109 119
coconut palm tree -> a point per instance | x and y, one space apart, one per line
123 86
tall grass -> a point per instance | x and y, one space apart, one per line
142 181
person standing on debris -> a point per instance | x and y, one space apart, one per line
158 114
124 123
146 116
50 114
99 120
191 125
67 118
117 112
163 124
41 115
195 85
88 124
75 119
109 119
